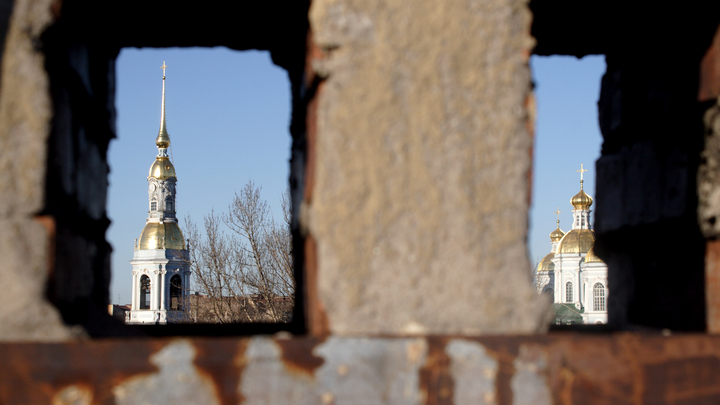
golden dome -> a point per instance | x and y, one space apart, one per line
591 258
546 263
162 169
581 201
155 233
556 235
577 241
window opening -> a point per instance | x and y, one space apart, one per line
176 296
144 292
245 103
567 145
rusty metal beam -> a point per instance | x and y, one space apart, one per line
561 368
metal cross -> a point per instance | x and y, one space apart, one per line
581 171
163 67
558 212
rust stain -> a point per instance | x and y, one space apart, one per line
692 380
297 354
504 349
314 84
56 8
435 378
50 225
622 368
712 285
317 319
212 360
530 107
35 373
709 86
566 376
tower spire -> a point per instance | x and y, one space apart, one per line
163 139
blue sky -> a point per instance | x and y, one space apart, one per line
228 116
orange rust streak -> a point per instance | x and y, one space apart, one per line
530 107
317 319
51 228
712 285
311 79
709 86
40 371
297 354
212 361
435 378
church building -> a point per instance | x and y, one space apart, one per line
160 265
571 273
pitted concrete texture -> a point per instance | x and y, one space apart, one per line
353 371
178 381
709 176
474 372
420 197
25 110
25 114
25 315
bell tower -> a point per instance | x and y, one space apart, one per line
161 267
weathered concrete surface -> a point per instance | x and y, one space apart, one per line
709 175
421 188
178 381
25 114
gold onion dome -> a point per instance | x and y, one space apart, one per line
546 263
162 169
581 201
158 235
557 234
577 241
591 257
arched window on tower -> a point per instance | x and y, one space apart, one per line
568 292
168 205
176 293
598 297
144 292
153 205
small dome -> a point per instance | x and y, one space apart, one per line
162 169
577 241
581 201
591 258
546 263
155 233
556 235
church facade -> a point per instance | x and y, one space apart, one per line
571 273
160 265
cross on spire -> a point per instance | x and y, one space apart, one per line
581 172
163 67
558 212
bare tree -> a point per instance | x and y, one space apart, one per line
246 275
